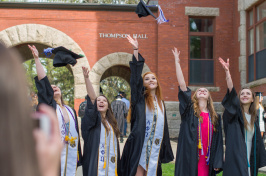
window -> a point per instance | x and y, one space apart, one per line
257 42
201 63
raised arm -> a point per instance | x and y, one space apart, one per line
179 73
227 73
90 90
40 70
135 45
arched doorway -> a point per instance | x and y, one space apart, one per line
45 36
115 64
60 76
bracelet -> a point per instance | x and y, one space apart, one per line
136 48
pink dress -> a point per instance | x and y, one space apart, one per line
203 168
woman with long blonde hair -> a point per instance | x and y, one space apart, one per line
245 152
200 142
148 144
66 116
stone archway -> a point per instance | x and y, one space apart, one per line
112 60
42 34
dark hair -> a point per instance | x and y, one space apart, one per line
17 151
110 118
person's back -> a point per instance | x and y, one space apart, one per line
18 155
15 121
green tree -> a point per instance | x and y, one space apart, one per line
59 76
112 85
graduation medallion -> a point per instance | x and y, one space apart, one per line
73 144
157 141
113 159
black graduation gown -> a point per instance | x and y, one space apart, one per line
91 131
236 152
46 96
133 146
187 147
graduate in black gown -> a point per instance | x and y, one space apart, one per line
200 142
245 151
66 116
101 156
148 145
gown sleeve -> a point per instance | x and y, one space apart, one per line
79 162
184 101
231 104
218 159
261 148
136 81
45 92
90 118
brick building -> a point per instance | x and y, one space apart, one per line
202 29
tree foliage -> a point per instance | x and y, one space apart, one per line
112 85
60 76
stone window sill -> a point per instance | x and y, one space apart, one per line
211 89
255 83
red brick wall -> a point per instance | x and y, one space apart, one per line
84 26
175 33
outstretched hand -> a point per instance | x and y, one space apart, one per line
134 42
34 51
176 53
224 64
85 72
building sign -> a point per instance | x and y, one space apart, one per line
116 35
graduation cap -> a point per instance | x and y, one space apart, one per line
143 10
62 56
118 96
258 94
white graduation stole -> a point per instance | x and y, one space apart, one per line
107 158
157 140
69 154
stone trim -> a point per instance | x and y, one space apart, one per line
72 6
202 11
37 33
245 4
211 89
118 58
255 83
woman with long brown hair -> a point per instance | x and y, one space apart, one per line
100 132
200 142
245 152
66 116
20 154
148 144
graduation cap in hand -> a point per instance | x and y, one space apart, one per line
62 56
143 11
258 94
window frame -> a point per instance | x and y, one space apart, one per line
204 34
248 29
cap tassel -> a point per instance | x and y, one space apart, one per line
161 19
104 164
116 172
48 52
199 145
